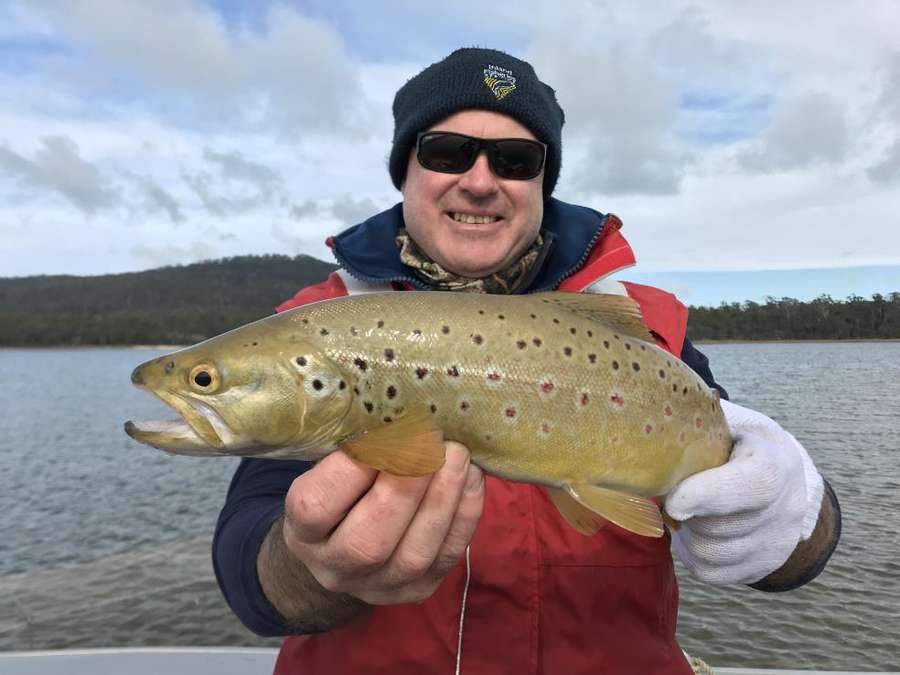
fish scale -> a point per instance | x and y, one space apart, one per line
564 390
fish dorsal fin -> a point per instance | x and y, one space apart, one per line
616 311
580 517
635 514
411 445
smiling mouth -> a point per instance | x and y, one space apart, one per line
472 219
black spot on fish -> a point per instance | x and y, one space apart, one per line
256 344
391 391
643 348
421 372
416 331
477 339
606 344
324 331
481 311
353 331
433 408
684 392
388 420
521 344
464 405
453 371
592 358
675 388
628 346
317 385
573 331
662 373
342 385
368 406
615 365
534 316
169 367
555 320
356 390
590 333
306 321
301 360
380 323
636 366
537 342
389 355
445 330
501 317
360 363
567 351
615 337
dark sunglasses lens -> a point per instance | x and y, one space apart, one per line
447 153
518 160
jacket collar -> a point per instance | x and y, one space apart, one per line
368 252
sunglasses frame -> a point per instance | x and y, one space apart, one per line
487 145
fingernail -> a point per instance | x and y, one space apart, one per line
457 460
475 479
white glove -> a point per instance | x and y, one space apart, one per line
741 521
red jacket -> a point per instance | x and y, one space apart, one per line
542 598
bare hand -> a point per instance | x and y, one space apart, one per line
382 538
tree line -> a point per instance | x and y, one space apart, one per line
184 304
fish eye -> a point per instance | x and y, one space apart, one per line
204 378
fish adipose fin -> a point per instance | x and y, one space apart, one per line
635 514
580 517
411 445
616 311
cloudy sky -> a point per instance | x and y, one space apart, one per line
732 140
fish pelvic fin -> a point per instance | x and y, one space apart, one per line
615 311
580 517
635 514
411 445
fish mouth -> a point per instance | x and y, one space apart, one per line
200 431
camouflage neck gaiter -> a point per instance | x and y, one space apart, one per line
504 281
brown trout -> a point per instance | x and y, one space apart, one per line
565 390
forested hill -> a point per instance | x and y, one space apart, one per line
185 304
170 305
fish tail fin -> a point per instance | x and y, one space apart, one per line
635 514
411 445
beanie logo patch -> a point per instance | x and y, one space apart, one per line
500 81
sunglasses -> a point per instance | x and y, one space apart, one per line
512 158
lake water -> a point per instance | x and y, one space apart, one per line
104 542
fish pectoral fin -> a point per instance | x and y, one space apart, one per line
580 517
635 514
411 445
615 311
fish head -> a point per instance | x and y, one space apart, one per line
244 393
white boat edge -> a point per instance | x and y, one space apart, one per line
219 660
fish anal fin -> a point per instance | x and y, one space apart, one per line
411 445
580 517
635 514
670 522
615 311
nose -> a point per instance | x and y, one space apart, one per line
137 376
480 181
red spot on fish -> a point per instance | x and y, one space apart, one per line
585 398
617 399
547 387
648 429
668 411
510 412
453 371
494 376
698 423
545 428
421 373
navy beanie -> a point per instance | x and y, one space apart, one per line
483 79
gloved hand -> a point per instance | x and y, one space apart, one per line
741 521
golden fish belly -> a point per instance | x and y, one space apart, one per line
538 393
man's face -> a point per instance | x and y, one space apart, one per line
436 205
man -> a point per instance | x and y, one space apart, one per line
371 572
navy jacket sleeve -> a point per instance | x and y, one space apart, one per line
700 365
255 500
